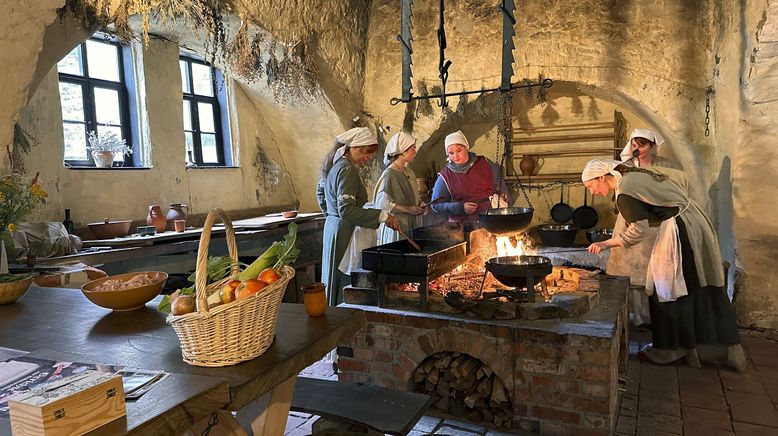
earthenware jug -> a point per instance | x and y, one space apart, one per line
176 212
156 218
530 165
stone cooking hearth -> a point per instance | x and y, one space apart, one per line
547 376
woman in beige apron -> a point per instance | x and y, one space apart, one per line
691 315
396 191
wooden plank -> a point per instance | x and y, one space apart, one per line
274 220
135 240
571 153
566 127
564 138
272 420
380 409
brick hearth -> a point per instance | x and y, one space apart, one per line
561 374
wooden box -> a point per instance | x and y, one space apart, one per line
73 405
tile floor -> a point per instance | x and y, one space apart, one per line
658 401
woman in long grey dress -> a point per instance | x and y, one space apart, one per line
396 190
691 315
341 195
639 151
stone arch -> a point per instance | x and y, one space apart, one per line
412 354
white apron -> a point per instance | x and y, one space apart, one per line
665 268
361 238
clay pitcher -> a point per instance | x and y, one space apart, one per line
155 218
530 165
176 212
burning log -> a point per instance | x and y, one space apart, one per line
462 385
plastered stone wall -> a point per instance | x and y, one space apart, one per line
752 166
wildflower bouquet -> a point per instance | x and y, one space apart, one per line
19 196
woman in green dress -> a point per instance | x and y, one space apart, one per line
691 315
396 190
342 195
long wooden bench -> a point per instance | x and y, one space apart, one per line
380 409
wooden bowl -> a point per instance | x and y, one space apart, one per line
289 214
12 291
125 299
110 229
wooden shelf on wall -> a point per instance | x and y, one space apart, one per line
569 153
564 138
544 178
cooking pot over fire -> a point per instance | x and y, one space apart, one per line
506 221
517 270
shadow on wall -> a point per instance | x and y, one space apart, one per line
722 217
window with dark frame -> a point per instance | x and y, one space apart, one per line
94 97
202 113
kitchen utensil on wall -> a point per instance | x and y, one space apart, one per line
530 164
585 217
156 218
561 212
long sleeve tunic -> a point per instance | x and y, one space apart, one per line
341 197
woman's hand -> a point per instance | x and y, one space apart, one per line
597 247
392 222
470 207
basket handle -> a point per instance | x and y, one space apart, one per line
201 272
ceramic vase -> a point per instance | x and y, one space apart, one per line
176 212
156 218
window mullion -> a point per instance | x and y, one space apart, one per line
196 143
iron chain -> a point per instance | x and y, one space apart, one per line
708 93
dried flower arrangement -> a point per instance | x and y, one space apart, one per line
107 141
241 53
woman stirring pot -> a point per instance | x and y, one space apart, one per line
394 193
342 195
465 185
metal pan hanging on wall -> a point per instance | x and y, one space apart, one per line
561 212
585 217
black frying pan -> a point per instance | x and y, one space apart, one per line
585 217
561 212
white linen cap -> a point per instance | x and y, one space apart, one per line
456 138
599 167
656 138
397 145
356 137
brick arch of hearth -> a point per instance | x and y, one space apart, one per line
476 344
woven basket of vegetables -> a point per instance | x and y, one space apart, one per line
234 316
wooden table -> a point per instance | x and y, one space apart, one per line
64 321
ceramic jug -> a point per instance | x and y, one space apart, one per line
155 218
176 212
530 165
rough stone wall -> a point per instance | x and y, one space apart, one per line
22 28
753 169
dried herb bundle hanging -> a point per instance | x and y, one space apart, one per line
410 116
424 105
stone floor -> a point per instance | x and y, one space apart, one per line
658 401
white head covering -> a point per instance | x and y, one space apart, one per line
600 167
456 138
656 138
397 145
356 137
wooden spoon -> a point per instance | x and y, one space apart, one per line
413 243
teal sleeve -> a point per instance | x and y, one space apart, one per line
349 185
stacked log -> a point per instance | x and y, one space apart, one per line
463 386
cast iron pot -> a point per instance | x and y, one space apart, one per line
585 217
599 235
506 221
557 235
514 270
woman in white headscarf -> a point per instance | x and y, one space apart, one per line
639 151
396 190
690 312
466 184
341 196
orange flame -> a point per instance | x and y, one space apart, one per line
509 246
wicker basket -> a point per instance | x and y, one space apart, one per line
229 333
